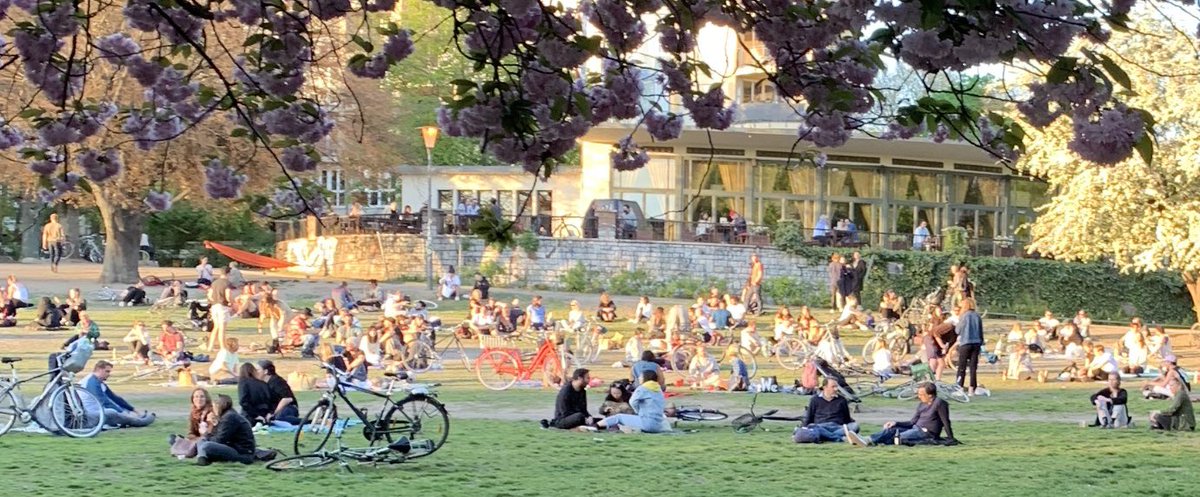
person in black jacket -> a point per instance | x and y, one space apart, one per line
1110 402
49 317
483 285
253 394
283 401
829 414
570 408
927 424
859 268
232 440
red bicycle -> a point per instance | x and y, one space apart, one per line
499 368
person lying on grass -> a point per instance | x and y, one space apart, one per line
649 403
117 411
570 407
828 415
926 425
1110 402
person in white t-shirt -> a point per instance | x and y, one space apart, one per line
394 306
737 312
883 365
204 272
1103 364
1049 324
449 285
224 366
576 320
1130 338
644 310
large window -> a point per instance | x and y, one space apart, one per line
848 182
335 182
977 190
795 179
445 200
1025 193
757 92
719 175
919 187
659 174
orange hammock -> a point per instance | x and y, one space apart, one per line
248 258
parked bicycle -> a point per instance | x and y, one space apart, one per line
747 423
908 389
697 413
423 354
395 452
499 368
71 409
894 338
418 416
680 356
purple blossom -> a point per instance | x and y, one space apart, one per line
221 181
896 130
59 133
663 127
158 201
172 87
248 12
326 10
675 41
117 47
297 122
296 159
1120 7
560 54
825 130
99 167
10 137
43 167
622 28
925 50
820 159
709 111
1110 138
398 46
941 133
373 67
61 21
66 184
47 196
145 72
628 156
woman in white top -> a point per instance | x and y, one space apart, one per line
139 341
704 371
223 369
1084 323
644 310
575 318
369 344
1159 343
1137 356
784 324
449 285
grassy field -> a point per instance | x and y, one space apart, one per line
1023 440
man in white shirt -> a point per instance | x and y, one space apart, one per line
1049 324
1130 339
1102 364
737 312
393 307
204 272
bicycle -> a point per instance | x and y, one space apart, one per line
418 416
887 335
697 413
747 423
422 355
587 342
498 368
395 452
105 294
91 248
908 390
680 356
791 352
566 230
68 403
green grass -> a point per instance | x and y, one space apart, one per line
1023 440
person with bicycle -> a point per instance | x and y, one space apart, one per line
53 237
570 406
828 414
117 411
927 424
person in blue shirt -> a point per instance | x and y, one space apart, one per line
721 317
920 235
739 374
821 230
970 342
117 411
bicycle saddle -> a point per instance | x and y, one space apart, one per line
9 360
402 445
402 375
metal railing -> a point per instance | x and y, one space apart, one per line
651 229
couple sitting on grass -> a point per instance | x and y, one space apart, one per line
827 419
647 401
1111 410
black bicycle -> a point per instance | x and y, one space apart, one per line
697 413
419 416
747 423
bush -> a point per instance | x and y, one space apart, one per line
579 279
793 292
636 282
788 234
1025 287
954 240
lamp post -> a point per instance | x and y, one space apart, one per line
430 135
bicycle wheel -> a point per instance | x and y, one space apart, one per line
552 369
423 420
77 412
497 369
865 388
699 414
429 304
680 357
905 392
315 429
569 231
8 410
868 351
302 461
68 249
791 353
587 350
747 357
899 347
953 391
420 357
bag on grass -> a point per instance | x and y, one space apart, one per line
184 446
808 378
300 381
78 358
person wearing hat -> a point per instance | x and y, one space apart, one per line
1160 388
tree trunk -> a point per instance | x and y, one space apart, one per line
1192 281
30 227
123 233
69 217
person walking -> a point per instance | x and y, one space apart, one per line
859 268
52 240
835 275
753 297
970 341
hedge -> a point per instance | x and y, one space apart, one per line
1024 287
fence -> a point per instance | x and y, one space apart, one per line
643 229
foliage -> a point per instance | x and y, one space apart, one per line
793 292
954 240
789 233
528 242
635 282
1141 217
1025 287
579 279
187 224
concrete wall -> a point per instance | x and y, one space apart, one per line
394 256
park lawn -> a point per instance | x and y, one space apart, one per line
499 458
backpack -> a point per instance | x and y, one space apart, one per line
78 358
808 378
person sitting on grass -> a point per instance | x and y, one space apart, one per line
828 414
170 342
643 311
1111 405
74 304
739 373
1159 343
49 317
570 407
891 305
1160 388
1048 324
784 323
482 321
1179 416
139 342
617 400
134 295
1136 356
536 315
648 362
927 424
246 304
173 295
200 420
704 371
722 317
1103 364
658 323
117 411
223 370
1020 365
576 319
737 313
449 285
607 310
649 403
372 297
231 440
254 396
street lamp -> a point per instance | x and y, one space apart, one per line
430 135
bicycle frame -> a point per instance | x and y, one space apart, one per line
14 385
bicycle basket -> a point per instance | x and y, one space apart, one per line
745 423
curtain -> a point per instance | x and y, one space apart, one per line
662 173
733 176
865 182
802 181
768 174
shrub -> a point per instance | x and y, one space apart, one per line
793 292
636 282
579 279
954 240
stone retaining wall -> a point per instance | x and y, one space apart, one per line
394 256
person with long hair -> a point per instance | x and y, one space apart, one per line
232 440
785 324
201 420
970 342
254 395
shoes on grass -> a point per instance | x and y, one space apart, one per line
854 438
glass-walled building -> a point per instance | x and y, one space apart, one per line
885 187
